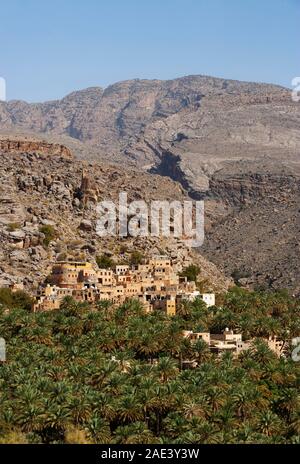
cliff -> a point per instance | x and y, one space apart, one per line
34 146
234 144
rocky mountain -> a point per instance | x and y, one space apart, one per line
256 235
20 146
114 119
48 212
234 144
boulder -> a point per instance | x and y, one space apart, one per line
86 225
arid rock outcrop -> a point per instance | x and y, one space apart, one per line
39 196
10 145
254 227
234 144
88 191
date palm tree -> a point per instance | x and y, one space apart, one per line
269 423
129 410
84 375
215 397
201 351
98 430
166 369
80 408
134 434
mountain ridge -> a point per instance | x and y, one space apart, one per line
224 141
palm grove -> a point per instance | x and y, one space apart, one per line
114 375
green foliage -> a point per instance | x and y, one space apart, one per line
114 375
104 262
49 233
18 299
136 258
22 300
191 273
12 226
6 297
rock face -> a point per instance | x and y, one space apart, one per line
234 144
33 146
88 191
254 227
197 114
39 194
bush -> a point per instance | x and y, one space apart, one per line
104 262
191 272
18 300
6 297
204 286
49 233
136 258
62 257
22 300
12 226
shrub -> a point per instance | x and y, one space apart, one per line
191 272
104 262
6 297
22 300
204 286
62 257
12 226
49 233
19 299
136 258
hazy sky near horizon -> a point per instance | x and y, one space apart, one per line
50 48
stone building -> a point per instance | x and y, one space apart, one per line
230 341
154 283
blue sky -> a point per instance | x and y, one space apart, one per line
50 48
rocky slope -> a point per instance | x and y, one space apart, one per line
255 226
116 118
234 144
17 145
38 189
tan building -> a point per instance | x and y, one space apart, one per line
155 283
70 274
166 304
50 298
105 277
122 269
219 343
227 341
88 293
195 336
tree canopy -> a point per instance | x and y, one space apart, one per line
114 375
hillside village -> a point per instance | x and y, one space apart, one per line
149 228
155 283
48 213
